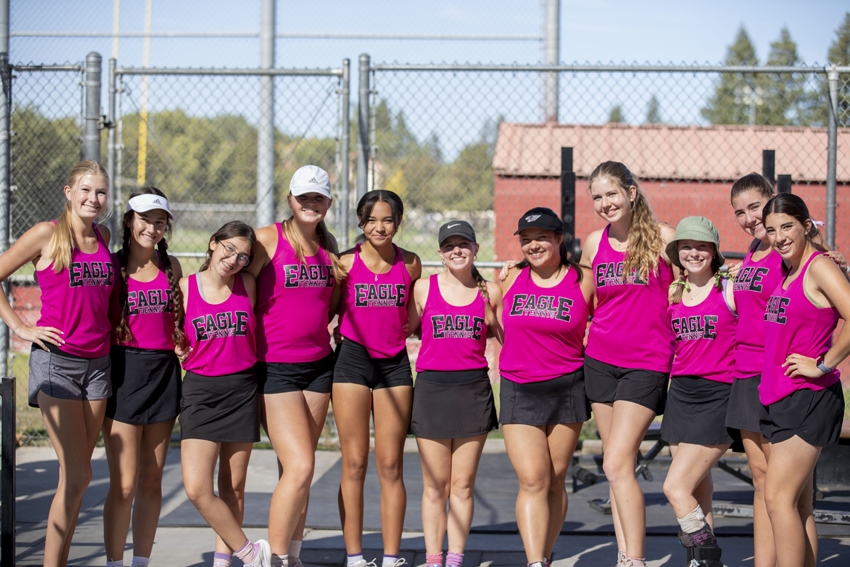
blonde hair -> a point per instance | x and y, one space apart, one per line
645 244
63 243
489 316
325 242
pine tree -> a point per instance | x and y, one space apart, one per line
784 94
653 112
737 96
616 115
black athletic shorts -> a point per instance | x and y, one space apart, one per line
606 384
354 365
813 415
281 377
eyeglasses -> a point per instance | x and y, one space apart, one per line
241 259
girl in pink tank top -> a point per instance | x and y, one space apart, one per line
545 309
630 345
755 281
453 402
220 407
298 271
373 371
703 321
69 363
147 314
802 402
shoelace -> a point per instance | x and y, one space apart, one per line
399 562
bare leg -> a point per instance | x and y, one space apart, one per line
232 476
122 442
466 454
789 466
436 458
148 503
352 405
392 407
757 450
562 444
288 425
73 427
317 403
806 508
528 450
628 427
689 477
198 458
604 414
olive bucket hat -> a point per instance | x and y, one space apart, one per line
694 228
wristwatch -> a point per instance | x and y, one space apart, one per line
823 367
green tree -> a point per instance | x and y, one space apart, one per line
839 54
784 99
616 115
736 96
653 112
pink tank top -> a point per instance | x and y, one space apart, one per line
544 329
293 300
630 328
793 325
374 306
753 286
150 311
453 338
76 301
221 336
705 339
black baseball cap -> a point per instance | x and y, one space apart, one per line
457 228
540 217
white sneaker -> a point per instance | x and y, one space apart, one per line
399 562
364 563
263 558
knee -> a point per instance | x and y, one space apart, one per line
618 468
76 481
300 473
759 473
437 493
463 490
126 489
354 469
150 480
673 491
535 482
390 470
197 493
231 494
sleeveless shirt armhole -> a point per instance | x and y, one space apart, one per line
725 283
200 287
806 292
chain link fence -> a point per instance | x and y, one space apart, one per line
471 142
454 141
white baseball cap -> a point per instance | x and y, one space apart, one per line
310 179
149 202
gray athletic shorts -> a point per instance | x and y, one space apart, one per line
68 377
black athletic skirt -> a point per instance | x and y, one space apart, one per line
145 386
744 411
224 409
550 402
452 405
813 415
696 412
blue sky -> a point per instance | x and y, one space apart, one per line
596 31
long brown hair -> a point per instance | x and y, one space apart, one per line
644 244
233 229
325 242
63 243
123 332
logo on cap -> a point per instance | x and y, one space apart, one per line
452 225
313 180
532 218
157 201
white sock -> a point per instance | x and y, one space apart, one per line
141 561
119 563
389 560
693 522
352 559
295 548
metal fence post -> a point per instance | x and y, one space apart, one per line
5 182
7 475
553 41
768 165
363 145
265 128
110 146
831 156
91 138
344 207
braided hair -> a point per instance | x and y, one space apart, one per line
122 331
